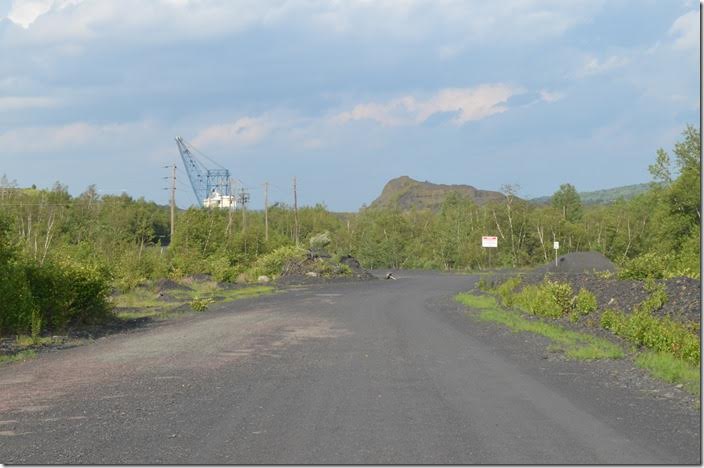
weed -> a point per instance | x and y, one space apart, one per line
673 370
575 345
21 356
585 302
475 301
201 304
505 290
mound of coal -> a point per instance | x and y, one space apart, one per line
316 269
169 285
578 262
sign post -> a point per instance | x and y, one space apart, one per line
556 246
491 242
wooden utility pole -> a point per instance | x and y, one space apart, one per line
295 211
266 211
173 201
244 197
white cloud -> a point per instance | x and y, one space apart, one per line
52 139
593 66
26 12
460 21
551 96
467 104
685 30
243 131
13 103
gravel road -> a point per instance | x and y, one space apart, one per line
369 372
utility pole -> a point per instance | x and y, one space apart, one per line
173 199
244 198
266 211
295 211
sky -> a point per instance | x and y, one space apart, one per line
344 95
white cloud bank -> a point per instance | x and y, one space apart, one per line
468 104
685 30
243 131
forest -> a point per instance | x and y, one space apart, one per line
61 257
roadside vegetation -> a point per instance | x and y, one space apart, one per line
669 349
574 345
63 257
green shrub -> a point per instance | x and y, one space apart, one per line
585 302
537 300
200 304
36 326
648 265
16 301
69 294
273 263
505 290
661 334
319 241
561 294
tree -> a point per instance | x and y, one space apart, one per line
568 202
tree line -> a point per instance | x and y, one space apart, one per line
122 242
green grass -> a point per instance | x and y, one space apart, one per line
24 340
476 301
145 300
21 356
670 369
575 345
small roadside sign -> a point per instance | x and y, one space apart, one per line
490 241
556 245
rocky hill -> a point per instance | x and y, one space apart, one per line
406 193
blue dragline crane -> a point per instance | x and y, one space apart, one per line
211 186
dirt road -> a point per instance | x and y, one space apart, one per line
372 372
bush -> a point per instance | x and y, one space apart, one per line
16 301
200 304
537 300
561 294
318 242
273 263
642 328
68 294
505 290
648 265
585 302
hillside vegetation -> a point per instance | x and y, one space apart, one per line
61 256
625 192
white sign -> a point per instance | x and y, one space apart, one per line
556 245
490 241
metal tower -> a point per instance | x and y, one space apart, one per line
210 186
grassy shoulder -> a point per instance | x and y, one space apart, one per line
135 305
667 349
145 302
573 344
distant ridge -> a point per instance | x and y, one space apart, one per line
600 197
405 193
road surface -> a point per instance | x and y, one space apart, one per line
376 372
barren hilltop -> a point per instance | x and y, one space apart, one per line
406 193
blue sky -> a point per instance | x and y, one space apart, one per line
344 95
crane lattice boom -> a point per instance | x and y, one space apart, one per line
210 186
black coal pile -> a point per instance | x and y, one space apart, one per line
578 262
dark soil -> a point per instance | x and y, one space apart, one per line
168 285
578 262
